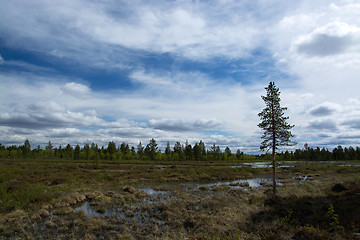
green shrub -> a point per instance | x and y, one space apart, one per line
21 196
334 220
287 220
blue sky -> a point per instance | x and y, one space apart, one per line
97 71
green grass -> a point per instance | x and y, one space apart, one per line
15 195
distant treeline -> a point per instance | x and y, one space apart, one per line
317 154
178 152
151 151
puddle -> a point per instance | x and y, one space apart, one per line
348 165
240 184
161 167
300 178
137 214
90 212
258 164
159 196
154 192
264 165
287 164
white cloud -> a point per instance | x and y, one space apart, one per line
61 133
57 53
40 115
325 109
324 124
183 29
353 123
184 124
76 88
174 28
105 116
171 98
332 39
151 80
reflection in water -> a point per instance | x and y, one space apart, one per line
139 212
90 212
269 164
137 215
152 192
243 184
283 164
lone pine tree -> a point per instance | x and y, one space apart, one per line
273 123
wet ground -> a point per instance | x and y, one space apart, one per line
165 193
280 164
286 164
149 209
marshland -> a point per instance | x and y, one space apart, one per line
157 199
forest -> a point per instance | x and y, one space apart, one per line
179 152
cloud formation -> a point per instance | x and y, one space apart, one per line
45 115
184 125
76 88
93 71
325 124
354 123
321 111
325 109
331 39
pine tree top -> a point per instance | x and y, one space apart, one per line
273 122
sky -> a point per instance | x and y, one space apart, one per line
79 72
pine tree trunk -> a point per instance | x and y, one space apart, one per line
273 149
274 170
